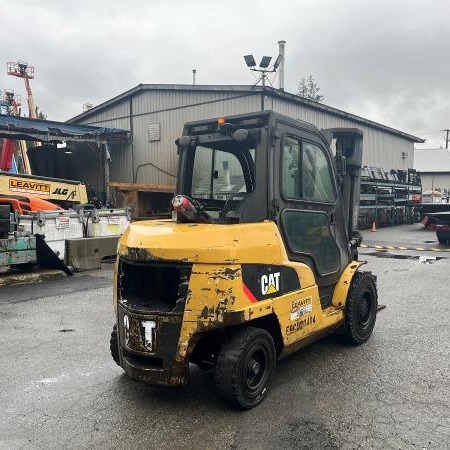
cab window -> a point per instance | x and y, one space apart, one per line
220 175
306 172
308 232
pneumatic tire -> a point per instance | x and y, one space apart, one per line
245 367
360 308
114 345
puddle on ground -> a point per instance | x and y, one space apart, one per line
421 259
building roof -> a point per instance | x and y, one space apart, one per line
13 127
432 160
246 90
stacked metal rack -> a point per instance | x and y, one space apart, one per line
389 197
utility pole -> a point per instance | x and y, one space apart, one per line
446 137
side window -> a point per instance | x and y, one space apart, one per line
306 172
308 232
316 174
290 177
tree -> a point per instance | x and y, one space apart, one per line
40 115
307 88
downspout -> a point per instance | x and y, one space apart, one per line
107 156
132 136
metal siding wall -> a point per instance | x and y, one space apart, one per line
173 108
115 117
435 180
381 149
163 153
105 117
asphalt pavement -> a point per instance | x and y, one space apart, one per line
60 388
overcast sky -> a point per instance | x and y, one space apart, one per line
385 60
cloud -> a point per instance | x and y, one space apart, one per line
383 60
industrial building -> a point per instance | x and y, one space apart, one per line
434 168
155 114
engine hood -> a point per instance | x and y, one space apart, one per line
202 243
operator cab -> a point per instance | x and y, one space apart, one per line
266 166
222 167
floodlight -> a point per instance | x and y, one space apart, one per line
265 61
278 61
250 60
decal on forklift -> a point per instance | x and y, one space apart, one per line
301 307
29 187
270 284
300 324
262 281
148 326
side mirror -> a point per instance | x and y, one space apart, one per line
183 141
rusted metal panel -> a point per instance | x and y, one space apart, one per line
20 250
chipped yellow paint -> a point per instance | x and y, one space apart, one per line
216 297
211 243
343 285
402 248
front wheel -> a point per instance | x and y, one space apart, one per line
360 308
245 367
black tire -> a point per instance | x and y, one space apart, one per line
360 308
245 367
204 365
114 346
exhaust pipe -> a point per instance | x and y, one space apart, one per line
281 45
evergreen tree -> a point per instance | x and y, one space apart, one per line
307 88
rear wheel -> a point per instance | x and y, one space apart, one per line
360 308
114 345
245 367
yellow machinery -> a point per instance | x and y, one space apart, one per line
63 192
259 260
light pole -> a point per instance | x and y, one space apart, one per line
263 69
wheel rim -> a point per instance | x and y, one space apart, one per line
365 309
255 369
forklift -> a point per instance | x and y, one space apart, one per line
259 259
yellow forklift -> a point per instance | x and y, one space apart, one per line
259 259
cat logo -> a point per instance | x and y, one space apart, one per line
270 284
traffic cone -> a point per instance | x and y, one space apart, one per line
374 227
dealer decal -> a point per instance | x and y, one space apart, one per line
299 324
301 307
29 187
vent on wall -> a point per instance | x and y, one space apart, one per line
404 155
154 132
